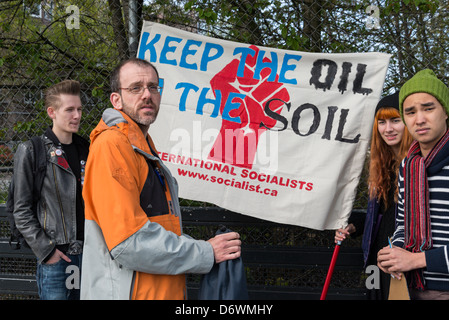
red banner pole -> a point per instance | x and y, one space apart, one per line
330 271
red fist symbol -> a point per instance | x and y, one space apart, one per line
239 135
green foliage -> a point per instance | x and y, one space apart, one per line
36 125
36 53
6 155
206 14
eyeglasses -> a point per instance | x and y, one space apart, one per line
141 89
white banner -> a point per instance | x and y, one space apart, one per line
274 134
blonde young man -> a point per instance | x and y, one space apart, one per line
56 233
134 247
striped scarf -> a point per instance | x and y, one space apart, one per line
418 237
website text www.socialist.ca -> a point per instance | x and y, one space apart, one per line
246 179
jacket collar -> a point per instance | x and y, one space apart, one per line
51 135
118 120
80 142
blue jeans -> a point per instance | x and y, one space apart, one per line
61 280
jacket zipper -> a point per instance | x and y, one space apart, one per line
133 282
45 215
60 203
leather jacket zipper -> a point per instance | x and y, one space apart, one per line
60 203
45 214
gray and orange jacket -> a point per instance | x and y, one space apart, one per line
130 253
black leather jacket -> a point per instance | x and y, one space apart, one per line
55 223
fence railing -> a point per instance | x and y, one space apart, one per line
281 261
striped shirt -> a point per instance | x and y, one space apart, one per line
436 274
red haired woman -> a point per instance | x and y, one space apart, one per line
389 145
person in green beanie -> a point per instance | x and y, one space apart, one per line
390 141
421 239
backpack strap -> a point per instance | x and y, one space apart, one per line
39 169
40 165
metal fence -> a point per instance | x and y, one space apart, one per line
281 261
45 41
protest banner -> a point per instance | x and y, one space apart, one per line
275 134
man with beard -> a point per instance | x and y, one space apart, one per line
134 247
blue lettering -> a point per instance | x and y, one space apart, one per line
168 49
212 51
203 100
187 52
145 46
272 65
187 87
161 84
230 105
288 67
245 52
207 57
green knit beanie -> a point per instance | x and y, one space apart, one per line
425 81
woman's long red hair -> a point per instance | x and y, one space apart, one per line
383 160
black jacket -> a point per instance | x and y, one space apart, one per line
56 220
